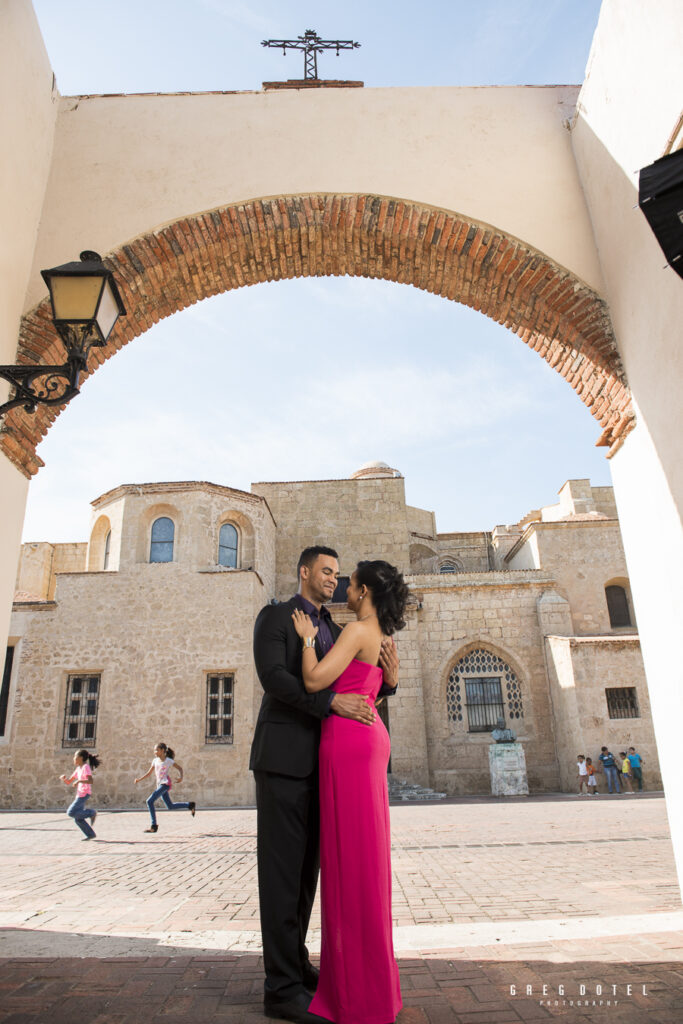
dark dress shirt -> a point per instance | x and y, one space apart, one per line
321 619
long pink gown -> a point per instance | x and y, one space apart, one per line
359 981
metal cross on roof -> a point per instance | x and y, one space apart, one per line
311 43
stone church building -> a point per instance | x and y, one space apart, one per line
144 634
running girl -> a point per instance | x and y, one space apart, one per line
82 779
164 760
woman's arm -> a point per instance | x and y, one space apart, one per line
179 769
143 777
67 782
318 675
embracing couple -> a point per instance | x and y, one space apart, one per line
319 758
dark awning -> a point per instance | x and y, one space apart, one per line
660 197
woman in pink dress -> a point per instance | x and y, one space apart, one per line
359 981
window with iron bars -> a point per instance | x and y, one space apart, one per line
487 688
484 701
219 708
80 710
622 702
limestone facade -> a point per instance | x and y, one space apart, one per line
511 622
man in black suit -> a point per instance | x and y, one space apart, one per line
284 759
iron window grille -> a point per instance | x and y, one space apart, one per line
487 687
219 708
622 702
484 702
80 710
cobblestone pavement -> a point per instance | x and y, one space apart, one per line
493 899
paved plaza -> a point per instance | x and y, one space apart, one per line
493 900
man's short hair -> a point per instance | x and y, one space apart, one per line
309 555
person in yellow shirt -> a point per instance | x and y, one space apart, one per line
626 772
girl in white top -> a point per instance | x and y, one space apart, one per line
164 760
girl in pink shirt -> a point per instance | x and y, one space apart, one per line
82 779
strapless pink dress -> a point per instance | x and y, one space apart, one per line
359 981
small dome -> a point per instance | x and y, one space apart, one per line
374 470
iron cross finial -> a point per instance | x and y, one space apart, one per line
311 43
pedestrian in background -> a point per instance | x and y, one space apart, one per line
164 760
609 766
583 774
592 781
625 772
81 778
636 767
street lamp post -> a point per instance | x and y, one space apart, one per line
85 306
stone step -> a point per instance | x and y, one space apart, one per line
401 789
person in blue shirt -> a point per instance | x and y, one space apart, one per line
636 767
609 766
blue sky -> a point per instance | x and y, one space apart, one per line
482 429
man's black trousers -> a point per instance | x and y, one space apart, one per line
288 845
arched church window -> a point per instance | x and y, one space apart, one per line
617 606
450 565
161 546
107 546
483 687
227 546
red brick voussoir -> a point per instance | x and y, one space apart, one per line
319 235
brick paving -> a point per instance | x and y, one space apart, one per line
490 897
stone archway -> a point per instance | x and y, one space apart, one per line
164 271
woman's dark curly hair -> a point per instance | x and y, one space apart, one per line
389 593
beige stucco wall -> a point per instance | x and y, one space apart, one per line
357 518
40 563
628 108
124 165
580 670
28 111
198 511
470 551
421 522
153 633
14 491
496 611
584 557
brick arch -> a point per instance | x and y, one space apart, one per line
360 236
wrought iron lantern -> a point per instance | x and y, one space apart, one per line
85 306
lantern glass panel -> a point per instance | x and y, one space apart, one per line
108 313
75 298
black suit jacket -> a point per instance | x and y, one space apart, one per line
287 731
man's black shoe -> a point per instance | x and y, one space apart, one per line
294 1009
310 977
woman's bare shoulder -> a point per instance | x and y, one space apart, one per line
353 629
